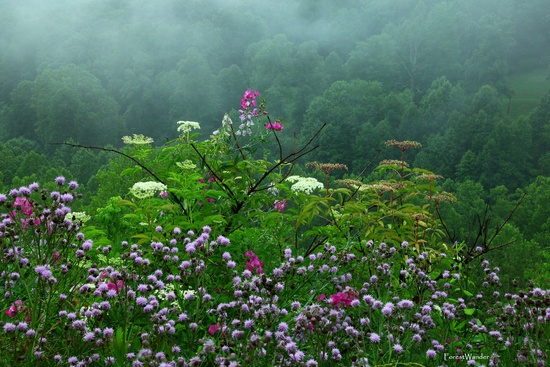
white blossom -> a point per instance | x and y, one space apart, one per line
143 190
186 126
304 184
137 139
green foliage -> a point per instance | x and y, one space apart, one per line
70 102
229 251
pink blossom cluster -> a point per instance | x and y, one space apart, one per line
279 205
249 99
26 208
342 298
275 126
254 262
213 328
17 306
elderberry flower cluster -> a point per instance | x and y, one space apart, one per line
137 139
304 184
186 127
147 189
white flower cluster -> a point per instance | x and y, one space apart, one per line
143 190
186 126
78 216
186 165
226 126
304 184
165 292
137 139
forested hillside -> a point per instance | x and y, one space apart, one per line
467 79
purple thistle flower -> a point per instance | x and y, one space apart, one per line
223 241
430 353
43 271
67 198
60 180
9 327
374 338
89 336
73 185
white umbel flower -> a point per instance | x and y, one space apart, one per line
304 184
186 126
143 190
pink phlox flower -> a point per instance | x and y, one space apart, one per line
279 205
276 126
117 287
254 262
344 298
321 297
249 98
25 205
213 328
15 307
163 195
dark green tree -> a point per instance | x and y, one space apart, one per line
70 103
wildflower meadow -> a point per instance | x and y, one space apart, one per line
232 255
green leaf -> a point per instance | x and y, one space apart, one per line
469 311
467 293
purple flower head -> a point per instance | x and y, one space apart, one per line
24 191
44 271
374 338
67 198
60 180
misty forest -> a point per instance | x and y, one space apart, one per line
275 183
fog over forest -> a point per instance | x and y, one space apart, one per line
92 71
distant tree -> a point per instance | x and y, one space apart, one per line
468 168
232 82
20 116
505 158
376 59
268 61
533 216
345 107
488 63
70 103
333 69
540 122
196 95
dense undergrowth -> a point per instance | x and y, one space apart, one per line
228 256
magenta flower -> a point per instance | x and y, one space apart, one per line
276 126
213 328
163 195
24 205
254 262
279 205
344 298
249 99
117 287
15 307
